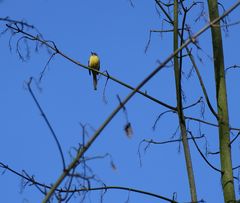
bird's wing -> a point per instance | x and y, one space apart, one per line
88 69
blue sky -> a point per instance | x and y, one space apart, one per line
119 34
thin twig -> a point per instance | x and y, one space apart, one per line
202 155
54 48
47 122
209 123
170 141
235 138
34 182
45 67
193 62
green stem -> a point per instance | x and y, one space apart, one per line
182 122
221 94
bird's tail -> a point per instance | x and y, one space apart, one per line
94 81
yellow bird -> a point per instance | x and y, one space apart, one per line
94 63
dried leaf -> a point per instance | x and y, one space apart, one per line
128 130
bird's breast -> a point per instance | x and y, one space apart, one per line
94 62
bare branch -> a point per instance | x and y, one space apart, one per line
45 67
192 60
169 141
202 155
47 122
68 190
51 45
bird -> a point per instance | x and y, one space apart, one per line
94 63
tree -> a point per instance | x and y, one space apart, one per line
70 98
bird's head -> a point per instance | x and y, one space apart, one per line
93 53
